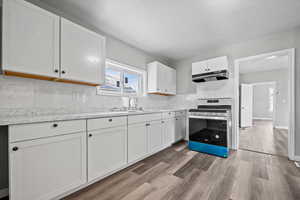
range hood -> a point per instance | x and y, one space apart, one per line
210 76
210 70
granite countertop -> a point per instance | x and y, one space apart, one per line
14 120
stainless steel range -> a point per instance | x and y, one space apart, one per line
210 126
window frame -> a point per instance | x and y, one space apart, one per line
124 68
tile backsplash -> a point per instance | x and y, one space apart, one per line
20 96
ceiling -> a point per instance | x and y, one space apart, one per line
267 63
178 29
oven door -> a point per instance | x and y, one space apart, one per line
209 130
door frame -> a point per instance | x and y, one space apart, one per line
291 128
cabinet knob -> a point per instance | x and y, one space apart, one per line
56 70
63 71
162 122
15 148
110 120
90 135
55 125
147 124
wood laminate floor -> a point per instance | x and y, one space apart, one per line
262 137
180 174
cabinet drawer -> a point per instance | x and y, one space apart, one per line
167 115
100 123
144 118
40 130
180 113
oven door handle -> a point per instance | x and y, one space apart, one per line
209 117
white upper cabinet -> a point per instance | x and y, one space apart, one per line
217 64
82 54
161 79
211 65
30 39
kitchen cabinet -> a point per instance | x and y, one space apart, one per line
169 131
82 54
155 136
107 151
180 128
47 167
161 79
211 65
39 44
30 40
137 141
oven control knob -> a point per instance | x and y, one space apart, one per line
217 137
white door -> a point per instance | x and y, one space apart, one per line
137 141
107 151
155 136
45 168
169 131
82 54
30 39
246 105
180 128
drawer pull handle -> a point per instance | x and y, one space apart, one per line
15 148
162 122
110 120
90 135
55 125
147 124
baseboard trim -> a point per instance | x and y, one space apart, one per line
297 158
3 193
282 127
262 118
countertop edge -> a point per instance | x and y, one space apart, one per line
84 116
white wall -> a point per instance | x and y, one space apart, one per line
282 91
266 44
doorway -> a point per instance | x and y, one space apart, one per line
268 126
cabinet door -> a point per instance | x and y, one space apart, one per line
107 151
173 81
46 168
199 67
169 131
180 128
163 78
217 64
137 141
155 135
30 39
82 54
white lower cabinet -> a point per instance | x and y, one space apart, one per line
155 136
137 141
44 168
180 128
169 131
107 151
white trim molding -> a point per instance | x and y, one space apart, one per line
262 118
291 127
282 127
3 193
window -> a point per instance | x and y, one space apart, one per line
122 80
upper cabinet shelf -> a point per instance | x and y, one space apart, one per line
35 45
161 79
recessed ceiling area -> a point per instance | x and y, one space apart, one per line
178 29
268 63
